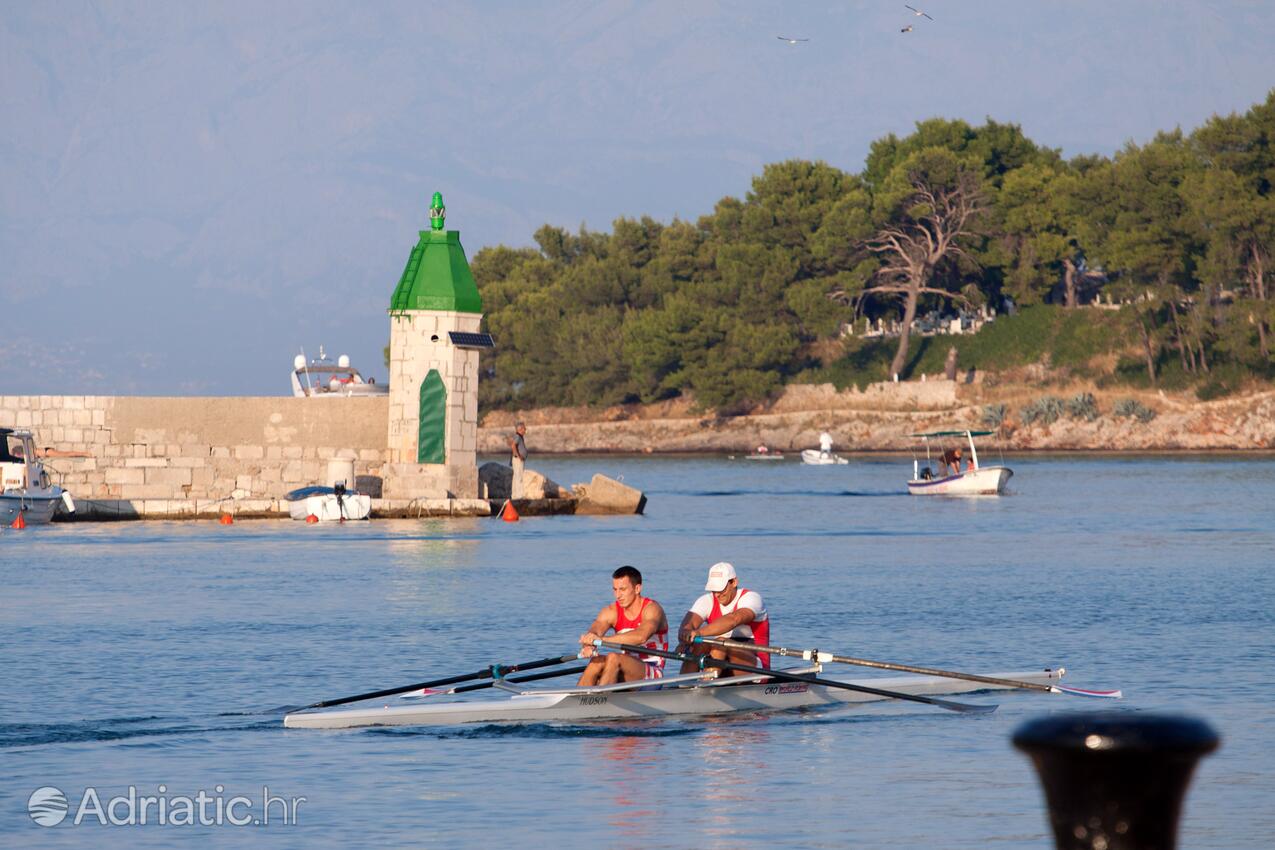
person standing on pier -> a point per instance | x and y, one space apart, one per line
517 459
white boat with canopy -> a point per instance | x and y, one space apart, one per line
936 477
751 690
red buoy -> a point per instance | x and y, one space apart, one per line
227 519
312 518
19 521
508 514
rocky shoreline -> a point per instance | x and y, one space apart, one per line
882 418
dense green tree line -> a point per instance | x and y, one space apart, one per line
733 305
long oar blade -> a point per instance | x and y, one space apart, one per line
496 671
1086 692
824 657
708 661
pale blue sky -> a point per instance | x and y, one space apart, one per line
189 193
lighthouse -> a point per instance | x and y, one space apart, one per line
435 314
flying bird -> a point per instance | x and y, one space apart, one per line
791 40
916 11
908 28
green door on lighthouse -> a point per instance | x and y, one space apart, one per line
430 444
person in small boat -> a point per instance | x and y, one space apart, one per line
725 611
636 620
825 444
950 462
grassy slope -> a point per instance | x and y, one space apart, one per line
1066 338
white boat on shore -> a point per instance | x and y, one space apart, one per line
328 504
815 457
25 488
321 378
935 478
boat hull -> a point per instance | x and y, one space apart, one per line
817 458
327 509
586 705
984 481
34 509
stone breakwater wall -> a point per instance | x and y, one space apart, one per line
182 457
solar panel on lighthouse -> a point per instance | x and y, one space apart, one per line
462 339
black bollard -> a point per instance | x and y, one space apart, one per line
1115 780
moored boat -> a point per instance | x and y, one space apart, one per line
321 378
328 504
25 488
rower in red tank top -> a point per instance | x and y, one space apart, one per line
730 612
635 620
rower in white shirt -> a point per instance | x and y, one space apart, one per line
730 612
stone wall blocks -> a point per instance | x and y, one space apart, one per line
146 462
249 452
124 476
173 477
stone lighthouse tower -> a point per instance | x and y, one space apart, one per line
434 343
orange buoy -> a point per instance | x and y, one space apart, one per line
508 514
19 521
227 519
312 518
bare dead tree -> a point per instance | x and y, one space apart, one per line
940 218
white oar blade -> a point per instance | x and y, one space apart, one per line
1086 692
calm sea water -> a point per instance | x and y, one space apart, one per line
153 653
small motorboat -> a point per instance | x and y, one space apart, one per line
321 378
25 488
815 457
328 504
936 477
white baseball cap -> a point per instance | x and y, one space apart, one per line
719 575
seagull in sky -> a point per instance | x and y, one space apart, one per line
791 40
908 28
916 11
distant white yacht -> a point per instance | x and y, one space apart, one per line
321 378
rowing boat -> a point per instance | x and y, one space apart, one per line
693 694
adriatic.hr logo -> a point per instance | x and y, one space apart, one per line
49 806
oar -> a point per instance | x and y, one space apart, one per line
709 661
824 657
552 674
496 671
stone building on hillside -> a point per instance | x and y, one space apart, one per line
435 314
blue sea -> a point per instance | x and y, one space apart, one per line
154 654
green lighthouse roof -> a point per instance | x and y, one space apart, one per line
437 275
